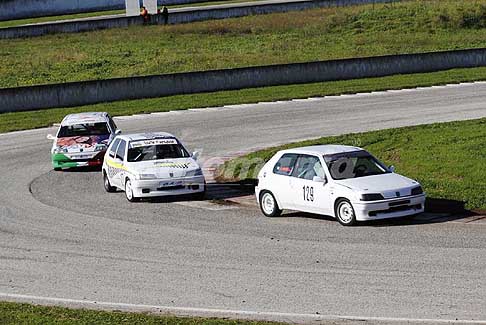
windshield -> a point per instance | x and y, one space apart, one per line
156 151
353 165
85 129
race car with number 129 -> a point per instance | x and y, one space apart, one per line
345 182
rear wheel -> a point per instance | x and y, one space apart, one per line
345 213
129 192
269 205
107 184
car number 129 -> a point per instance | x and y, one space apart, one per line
308 193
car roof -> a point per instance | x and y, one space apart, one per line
89 117
322 150
145 136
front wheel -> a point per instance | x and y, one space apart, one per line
107 184
129 192
269 205
345 213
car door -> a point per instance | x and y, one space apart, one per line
309 185
119 163
280 182
110 162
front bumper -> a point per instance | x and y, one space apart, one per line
60 160
393 208
163 187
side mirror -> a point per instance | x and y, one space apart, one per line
50 137
392 168
195 155
319 179
117 132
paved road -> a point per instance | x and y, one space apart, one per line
62 236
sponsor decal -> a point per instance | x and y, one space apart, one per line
172 165
153 142
83 142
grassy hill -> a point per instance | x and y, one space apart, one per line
411 26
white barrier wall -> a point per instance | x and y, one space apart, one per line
132 7
151 6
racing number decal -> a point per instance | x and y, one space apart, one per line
308 193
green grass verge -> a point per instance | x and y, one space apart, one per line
18 22
448 159
43 118
15 313
319 34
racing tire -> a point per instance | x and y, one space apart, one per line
344 212
107 185
129 192
57 169
269 205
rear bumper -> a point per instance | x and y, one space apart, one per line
395 208
153 188
63 161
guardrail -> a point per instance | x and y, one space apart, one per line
92 92
19 9
176 16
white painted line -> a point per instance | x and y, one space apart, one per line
267 103
160 113
221 313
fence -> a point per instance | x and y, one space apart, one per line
91 92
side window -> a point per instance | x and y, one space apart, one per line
113 147
307 167
285 165
120 152
112 124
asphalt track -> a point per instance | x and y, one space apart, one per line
63 237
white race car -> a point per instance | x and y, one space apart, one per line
151 165
345 182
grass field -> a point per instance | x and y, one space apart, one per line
448 159
14 313
411 26
43 118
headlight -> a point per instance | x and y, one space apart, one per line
417 190
59 150
371 197
196 172
147 176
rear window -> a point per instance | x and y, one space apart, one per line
84 129
285 164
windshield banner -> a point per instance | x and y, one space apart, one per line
153 142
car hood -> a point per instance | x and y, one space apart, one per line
165 168
387 184
82 144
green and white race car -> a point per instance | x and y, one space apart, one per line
82 140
